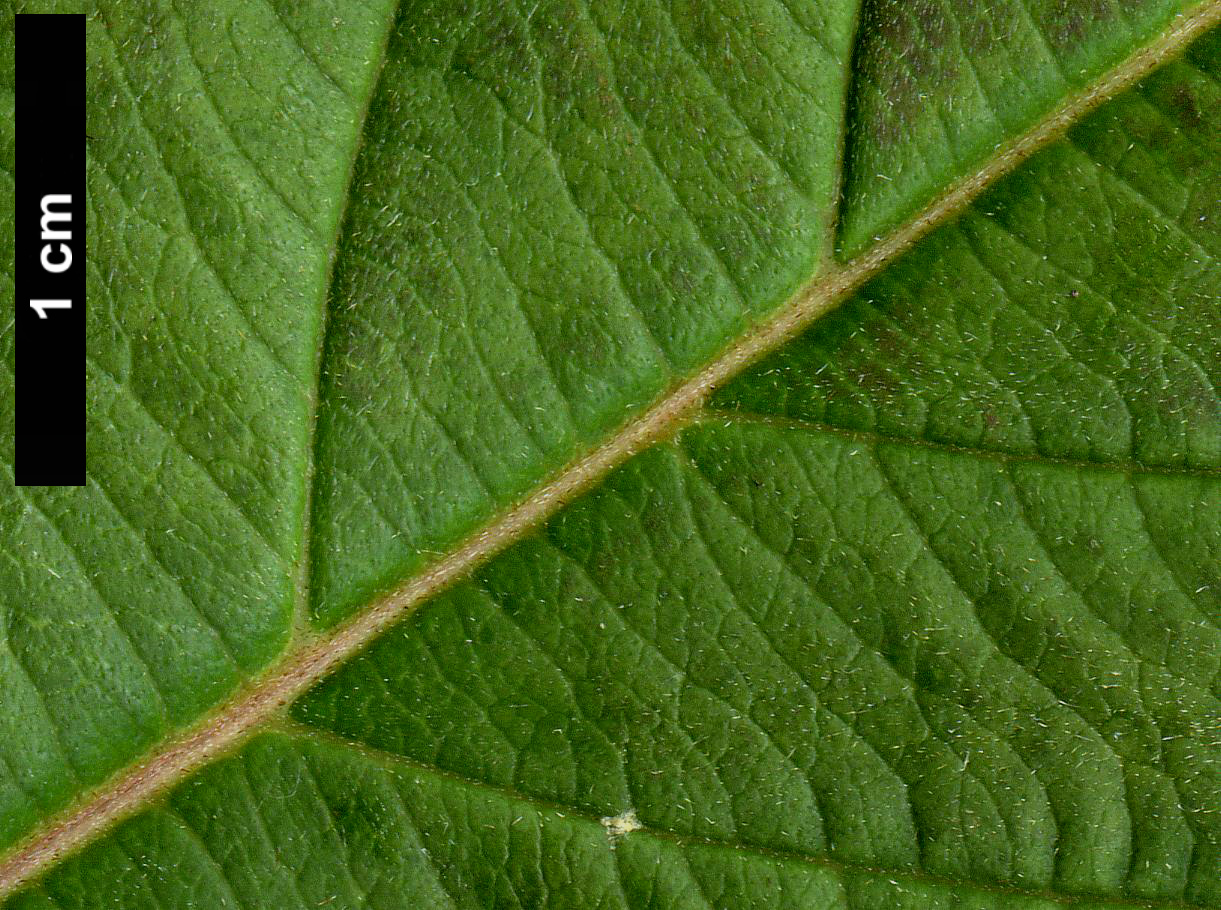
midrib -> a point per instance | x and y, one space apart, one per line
261 699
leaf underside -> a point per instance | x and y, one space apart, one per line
921 610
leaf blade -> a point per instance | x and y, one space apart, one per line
1087 876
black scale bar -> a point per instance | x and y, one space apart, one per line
49 270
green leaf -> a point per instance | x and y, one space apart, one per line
919 610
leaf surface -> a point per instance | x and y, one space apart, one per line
919 611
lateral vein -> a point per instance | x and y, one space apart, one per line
847 868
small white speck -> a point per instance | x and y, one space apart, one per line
619 825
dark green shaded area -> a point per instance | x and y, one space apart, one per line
1071 312
939 84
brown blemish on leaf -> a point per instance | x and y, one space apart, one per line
1065 24
1183 104
905 51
